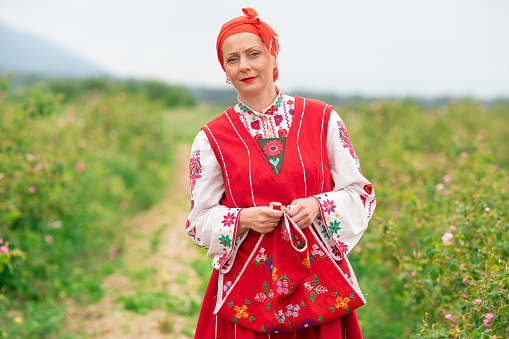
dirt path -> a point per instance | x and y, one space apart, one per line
157 260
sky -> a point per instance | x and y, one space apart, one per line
362 47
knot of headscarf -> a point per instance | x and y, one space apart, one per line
249 23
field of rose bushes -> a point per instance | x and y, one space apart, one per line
78 158
74 163
434 259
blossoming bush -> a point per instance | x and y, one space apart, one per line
438 241
7 255
69 174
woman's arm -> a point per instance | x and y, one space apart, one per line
210 225
217 228
343 214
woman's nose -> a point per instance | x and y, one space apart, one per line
244 64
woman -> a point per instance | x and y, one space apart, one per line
292 151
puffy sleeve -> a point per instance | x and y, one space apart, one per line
211 225
347 209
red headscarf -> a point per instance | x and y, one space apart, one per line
249 23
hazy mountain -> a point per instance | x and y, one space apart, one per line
24 53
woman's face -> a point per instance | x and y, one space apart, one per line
248 64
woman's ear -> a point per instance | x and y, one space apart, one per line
274 61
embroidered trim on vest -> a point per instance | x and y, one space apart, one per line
222 159
215 333
249 164
321 145
298 148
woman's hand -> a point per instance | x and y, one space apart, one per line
260 219
303 211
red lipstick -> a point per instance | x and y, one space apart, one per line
249 79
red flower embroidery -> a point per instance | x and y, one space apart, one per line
343 135
328 206
271 110
342 247
229 220
368 188
272 148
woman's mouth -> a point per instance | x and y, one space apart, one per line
246 80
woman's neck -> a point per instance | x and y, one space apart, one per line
260 101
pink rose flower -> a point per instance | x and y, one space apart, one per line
465 280
486 323
464 155
478 301
412 274
446 239
1 241
79 167
358 249
452 229
4 249
448 316
463 295
446 178
405 286
489 316
32 189
447 193
487 209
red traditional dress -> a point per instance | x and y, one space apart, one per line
237 162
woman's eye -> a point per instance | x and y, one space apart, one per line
232 60
255 54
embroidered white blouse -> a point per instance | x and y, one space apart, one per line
345 212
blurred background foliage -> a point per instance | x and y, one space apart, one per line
79 156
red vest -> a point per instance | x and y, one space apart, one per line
248 179
281 287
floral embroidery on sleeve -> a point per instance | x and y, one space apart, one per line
347 209
194 172
229 219
226 241
343 135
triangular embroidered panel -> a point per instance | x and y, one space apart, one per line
273 150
